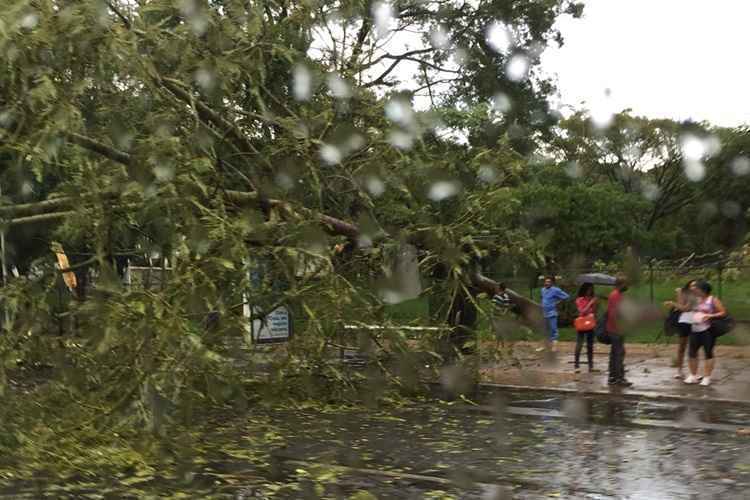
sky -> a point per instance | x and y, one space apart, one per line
679 59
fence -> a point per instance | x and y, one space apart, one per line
657 283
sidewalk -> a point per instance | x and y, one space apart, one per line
648 367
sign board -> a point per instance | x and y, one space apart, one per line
276 327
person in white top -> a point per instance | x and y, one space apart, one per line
707 308
684 302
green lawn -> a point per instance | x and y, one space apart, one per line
734 294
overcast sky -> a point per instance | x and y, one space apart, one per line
663 58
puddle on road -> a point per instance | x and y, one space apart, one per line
621 411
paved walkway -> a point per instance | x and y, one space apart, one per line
650 368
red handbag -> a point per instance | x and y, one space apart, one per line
585 323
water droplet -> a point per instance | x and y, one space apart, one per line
164 173
602 111
442 190
392 296
382 12
6 118
439 38
355 142
29 21
196 19
400 111
731 209
205 79
284 181
375 186
364 241
27 189
517 68
330 154
712 145
499 37
301 83
124 140
400 140
488 174
650 191
740 165
694 170
338 86
459 57
573 169
693 148
501 102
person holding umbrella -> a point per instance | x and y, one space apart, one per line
584 324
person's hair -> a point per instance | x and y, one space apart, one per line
687 285
549 277
620 281
500 286
585 288
703 285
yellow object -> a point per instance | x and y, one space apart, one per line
62 262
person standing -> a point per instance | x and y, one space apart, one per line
551 296
614 330
586 304
708 308
684 302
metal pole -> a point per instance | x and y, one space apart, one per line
4 269
651 279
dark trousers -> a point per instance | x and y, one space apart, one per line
617 357
589 347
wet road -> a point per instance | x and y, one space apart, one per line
562 447
510 445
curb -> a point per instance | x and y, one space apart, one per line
489 387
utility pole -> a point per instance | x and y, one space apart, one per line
4 269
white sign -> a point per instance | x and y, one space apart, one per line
276 327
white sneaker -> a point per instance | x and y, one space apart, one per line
692 379
706 381
679 375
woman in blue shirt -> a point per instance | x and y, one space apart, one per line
551 295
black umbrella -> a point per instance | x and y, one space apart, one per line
596 279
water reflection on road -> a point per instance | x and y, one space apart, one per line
566 447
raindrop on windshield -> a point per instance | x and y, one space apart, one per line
442 190
382 12
375 186
650 191
301 83
731 209
400 140
330 154
399 111
517 68
602 110
573 169
694 170
164 173
284 181
488 174
439 38
693 148
741 165
338 87
501 102
205 79
499 37
29 21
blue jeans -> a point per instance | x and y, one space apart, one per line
551 323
